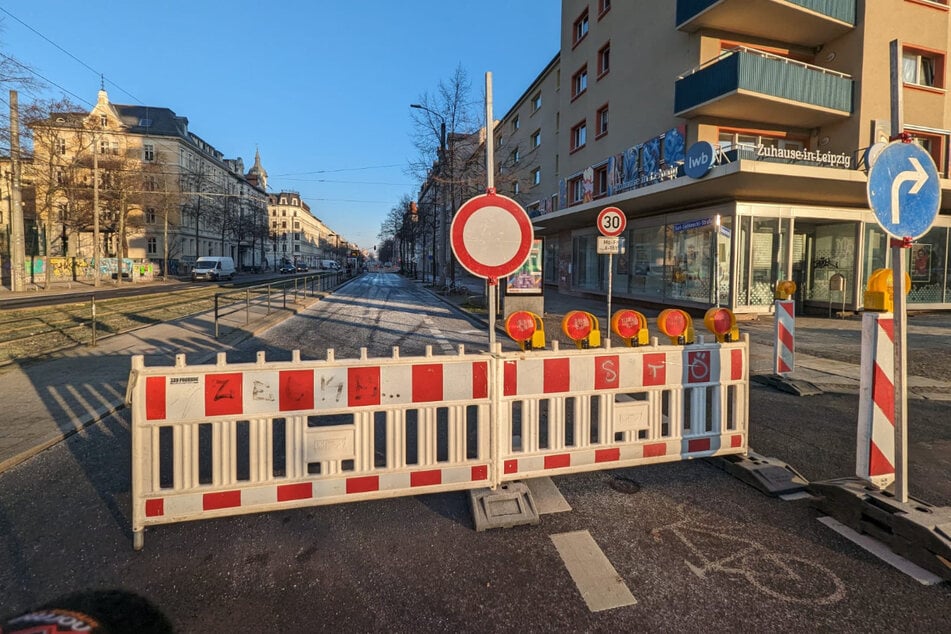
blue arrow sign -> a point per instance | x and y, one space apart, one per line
904 190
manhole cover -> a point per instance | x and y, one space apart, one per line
622 484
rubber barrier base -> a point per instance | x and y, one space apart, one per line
916 530
509 505
769 475
785 384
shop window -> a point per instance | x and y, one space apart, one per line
579 82
926 267
921 67
579 136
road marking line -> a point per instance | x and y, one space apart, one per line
547 497
882 551
600 585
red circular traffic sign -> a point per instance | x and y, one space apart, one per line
491 235
612 222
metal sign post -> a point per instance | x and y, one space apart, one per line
611 223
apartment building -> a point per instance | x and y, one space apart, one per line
163 192
780 99
296 235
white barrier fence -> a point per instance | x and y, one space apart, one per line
228 439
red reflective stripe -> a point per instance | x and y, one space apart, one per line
155 398
557 375
607 372
480 472
223 394
480 380
425 478
363 485
736 363
363 386
300 491
888 327
221 500
510 378
657 449
883 394
783 366
559 461
655 369
510 466
698 444
736 441
787 307
878 463
607 455
427 383
154 508
296 389
785 337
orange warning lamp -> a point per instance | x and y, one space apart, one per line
677 325
631 326
722 323
880 294
527 329
582 328
785 289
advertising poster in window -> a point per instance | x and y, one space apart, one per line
528 279
921 263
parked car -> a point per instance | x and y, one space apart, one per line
287 268
301 267
213 268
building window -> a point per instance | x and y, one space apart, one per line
148 183
580 28
103 121
515 123
283 200
536 138
148 152
604 60
603 7
537 176
537 102
922 68
515 189
575 190
601 181
150 215
516 157
283 224
602 121
151 245
579 82
579 136
933 144
61 146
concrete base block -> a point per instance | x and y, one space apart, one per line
769 475
509 505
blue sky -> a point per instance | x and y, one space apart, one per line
321 88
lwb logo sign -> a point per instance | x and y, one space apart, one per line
699 159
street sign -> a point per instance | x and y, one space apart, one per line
904 190
491 236
608 245
612 222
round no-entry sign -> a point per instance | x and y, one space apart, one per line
612 222
491 236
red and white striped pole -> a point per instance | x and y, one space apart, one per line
784 360
875 448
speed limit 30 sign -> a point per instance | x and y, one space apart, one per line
612 222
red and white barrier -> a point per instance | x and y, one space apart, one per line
227 439
784 359
875 449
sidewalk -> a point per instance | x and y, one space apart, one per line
49 404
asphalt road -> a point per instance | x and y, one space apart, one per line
696 549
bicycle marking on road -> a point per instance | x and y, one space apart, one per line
789 578
877 548
599 583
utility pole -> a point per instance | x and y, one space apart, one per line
17 246
95 210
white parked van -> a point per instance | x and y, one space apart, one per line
213 268
329 265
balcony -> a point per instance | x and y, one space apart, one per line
751 85
805 22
